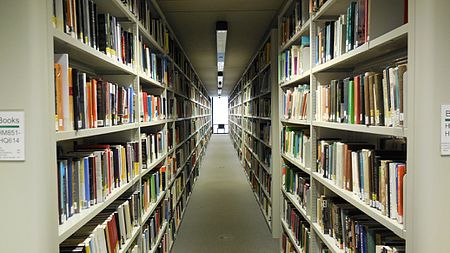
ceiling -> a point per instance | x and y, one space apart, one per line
194 23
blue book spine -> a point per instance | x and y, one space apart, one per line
150 112
69 187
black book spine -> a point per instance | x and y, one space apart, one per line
92 181
361 98
94 25
75 93
80 26
116 168
101 33
81 99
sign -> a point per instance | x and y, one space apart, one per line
12 136
445 130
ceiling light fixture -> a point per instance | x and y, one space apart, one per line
219 92
220 79
221 36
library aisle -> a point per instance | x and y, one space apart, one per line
223 215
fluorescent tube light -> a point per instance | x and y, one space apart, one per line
221 40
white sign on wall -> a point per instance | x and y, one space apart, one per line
445 130
12 136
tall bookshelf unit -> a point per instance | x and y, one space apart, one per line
253 107
387 42
182 129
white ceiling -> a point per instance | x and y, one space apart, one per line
194 23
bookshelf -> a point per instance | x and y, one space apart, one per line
305 127
177 132
253 129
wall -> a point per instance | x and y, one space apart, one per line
28 212
429 194
220 113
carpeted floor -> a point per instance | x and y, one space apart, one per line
223 215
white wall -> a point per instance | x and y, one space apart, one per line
428 226
28 195
220 112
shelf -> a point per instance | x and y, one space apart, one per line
291 236
263 188
136 231
385 44
153 165
328 240
78 220
115 8
300 79
379 130
159 238
258 96
147 36
152 207
153 123
257 158
293 199
149 82
84 133
254 136
356 202
88 56
266 218
296 122
257 117
235 124
303 31
332 8
297 163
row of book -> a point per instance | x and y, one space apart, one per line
258 107
83 102
295 143
298 225
153 147
265 179
370 98
152 23
286 245
101 31
295 102
153 107
260 128
258 86
263 153
297 184
346 33
294 61
353 231
90 173
153 185
260 62
108 231
294 20
377 177
153 227
152 64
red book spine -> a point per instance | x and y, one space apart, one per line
144 101
401 170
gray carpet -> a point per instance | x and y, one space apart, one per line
223 215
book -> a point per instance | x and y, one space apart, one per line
370 98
